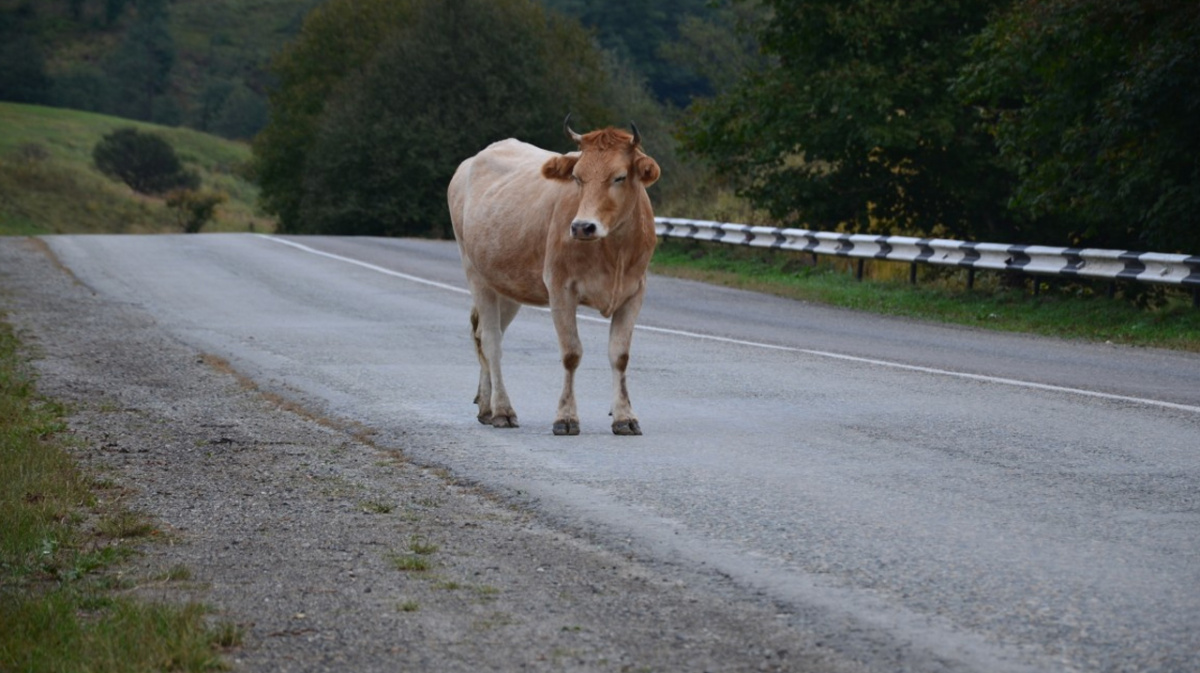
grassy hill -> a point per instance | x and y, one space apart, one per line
48 184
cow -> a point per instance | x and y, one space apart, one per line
560 230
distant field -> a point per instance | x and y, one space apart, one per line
48 184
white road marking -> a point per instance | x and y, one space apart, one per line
756 344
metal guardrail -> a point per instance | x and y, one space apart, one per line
1113 265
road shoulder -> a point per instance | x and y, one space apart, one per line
333 552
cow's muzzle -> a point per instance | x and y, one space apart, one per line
584 230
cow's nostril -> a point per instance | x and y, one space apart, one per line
583 229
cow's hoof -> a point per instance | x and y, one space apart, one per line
566 427
629 427
501 421
486 419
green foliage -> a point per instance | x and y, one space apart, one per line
58 610
852 126
56 188
149 60
241 115
380 101
1072 310
22 69
82 87
719 45
144 161
230 109
1094 106
337 38
193 208
635 32
140 70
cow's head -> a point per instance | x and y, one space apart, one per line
611 173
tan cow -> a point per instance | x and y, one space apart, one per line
536 227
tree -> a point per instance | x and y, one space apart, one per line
460 75
379 146
140 69
635 32
1094 106
719 46
23 76
336 39
852 123
208 104
242 114
144 161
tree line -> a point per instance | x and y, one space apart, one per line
379 100
124 58
1059 122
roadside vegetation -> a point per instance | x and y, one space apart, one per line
65 604
49 183
1075 310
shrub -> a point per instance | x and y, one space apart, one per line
193 209
144 161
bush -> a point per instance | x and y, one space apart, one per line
144 161
193 209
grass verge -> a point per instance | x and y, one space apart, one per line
1072 311
64 606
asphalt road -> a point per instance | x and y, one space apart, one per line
926 498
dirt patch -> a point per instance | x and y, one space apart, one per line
335 553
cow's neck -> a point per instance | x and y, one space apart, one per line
626 258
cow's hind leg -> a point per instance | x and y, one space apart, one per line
492 315
483 395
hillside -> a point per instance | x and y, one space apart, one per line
48 183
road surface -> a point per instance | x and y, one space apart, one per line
923 497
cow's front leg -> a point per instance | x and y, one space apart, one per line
566 421
620 336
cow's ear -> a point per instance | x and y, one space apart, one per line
559 168
646 170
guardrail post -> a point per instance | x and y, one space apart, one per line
1196 297
971 278
912 273
858 273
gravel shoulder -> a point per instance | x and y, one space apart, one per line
296 527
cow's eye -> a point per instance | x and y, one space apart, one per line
619 179
577 180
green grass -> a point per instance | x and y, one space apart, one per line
62 603
1072 311
48 184
409 562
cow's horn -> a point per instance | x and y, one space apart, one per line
637 137
571 134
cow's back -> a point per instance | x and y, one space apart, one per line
502 209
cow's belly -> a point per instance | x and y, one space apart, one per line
511 268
